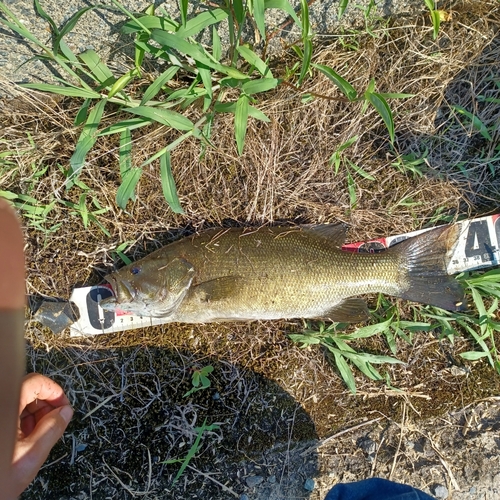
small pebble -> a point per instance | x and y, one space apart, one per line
244 497
440 491
309 484
473 490
253 481
271 479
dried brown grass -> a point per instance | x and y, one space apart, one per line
283 175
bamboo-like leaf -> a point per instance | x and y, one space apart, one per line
163 116
70 24
156 86
345 372
194 51
183 7
351 187
360 171
201 21
122 82
68 53
370 330
475 122
473 355
126 191
81 116
44 15
95 65
252 58
380 104
87 138
395 95
304 18
260 85
436 23
239 11
168 184
241 122
306 61
62 90
259 7
230 107
216 45
285 6
125 152
206 78
342 84
342 7
131 124
150 23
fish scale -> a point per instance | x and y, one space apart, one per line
281 272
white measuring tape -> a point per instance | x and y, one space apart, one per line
478 247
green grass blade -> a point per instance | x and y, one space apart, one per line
62 90
168 184
342 7
81 116
475 122
239 11
230 107
360 171
216 45
206 78
306 61
125 152
201 21
241 122
343 85
183 7
39 10
70 24
252 58
95 65
473 355
149 23
163 116
126 191
87 139
370 330
436 23
284 6
175 42
122 82
155 87
304 18
260 85
18 27
345 372
119 127
259 7
351 188
380 104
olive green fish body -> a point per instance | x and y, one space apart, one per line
278 272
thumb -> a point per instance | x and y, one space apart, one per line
36 447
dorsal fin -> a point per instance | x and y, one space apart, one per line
333 233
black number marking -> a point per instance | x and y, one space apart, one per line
478 243
107 317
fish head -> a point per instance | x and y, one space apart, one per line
149 287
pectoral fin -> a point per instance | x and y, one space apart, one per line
350 310
219 288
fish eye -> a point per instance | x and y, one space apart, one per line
135 270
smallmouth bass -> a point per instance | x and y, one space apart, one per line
282 272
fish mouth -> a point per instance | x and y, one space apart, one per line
122 290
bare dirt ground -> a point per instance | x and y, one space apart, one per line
281 423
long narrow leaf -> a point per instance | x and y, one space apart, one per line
125 152
87 138
260 85
81 116
59 89
119 127
230 107
46 17
163 116
168 184
201 21
155 87
150 23
183 7
285 6
258 14
97 67
345 372
342 7
251 57
342 84
380 104
306 61
216 45
126 191
241 122
70 24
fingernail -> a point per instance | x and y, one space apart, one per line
66 413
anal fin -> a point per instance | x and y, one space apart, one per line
351 310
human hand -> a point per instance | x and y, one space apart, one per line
44 414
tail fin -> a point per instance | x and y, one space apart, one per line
425 258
